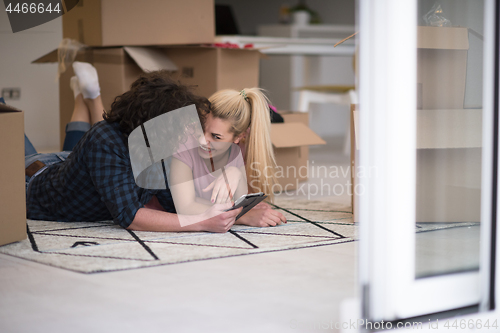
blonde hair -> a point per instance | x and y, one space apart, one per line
250 108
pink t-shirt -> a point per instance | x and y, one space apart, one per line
201 175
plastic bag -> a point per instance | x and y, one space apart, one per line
435 17
66 54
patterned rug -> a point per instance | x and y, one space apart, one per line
92 247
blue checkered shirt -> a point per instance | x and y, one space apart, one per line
94 183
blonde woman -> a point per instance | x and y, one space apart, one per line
232 157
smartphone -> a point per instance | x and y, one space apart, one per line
247 201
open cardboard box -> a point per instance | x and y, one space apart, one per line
448 165
132 22
442 66
208 68
12 191
291 141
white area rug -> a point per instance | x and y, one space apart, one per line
91 247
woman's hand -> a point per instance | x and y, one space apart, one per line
262 215
219 187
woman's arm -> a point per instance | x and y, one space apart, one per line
203 201
183 191
242 188
234 179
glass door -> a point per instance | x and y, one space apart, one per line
427 95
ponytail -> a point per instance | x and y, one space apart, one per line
259 156
250 108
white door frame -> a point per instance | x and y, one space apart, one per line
388 139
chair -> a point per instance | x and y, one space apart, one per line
340 95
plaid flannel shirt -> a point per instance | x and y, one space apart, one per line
94 183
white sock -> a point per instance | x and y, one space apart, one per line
75 86
88 79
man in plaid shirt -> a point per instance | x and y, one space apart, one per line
95 181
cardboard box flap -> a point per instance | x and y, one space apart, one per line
285 135
444 38
53 56
147 58
8 108
150 59
49 57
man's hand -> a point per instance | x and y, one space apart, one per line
218 220
219 187
214 219
262 215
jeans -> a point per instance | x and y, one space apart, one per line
74 132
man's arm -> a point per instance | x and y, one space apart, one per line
215 220
112 175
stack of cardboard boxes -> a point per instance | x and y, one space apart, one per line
448 136
127 37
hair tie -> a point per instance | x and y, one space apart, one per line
244 94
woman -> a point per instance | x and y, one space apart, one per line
234 156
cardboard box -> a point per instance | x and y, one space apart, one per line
213 69
449 165
208 68
291 141
441 67
132 22
448 185
12 191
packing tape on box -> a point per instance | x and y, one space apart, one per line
66 54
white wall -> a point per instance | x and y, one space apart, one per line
39 88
